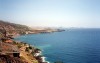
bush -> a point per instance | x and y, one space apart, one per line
27 49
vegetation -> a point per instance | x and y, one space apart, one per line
27 49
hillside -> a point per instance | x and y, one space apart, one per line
13 28
17 29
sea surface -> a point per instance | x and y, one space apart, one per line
70 46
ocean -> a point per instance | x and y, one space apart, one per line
70 46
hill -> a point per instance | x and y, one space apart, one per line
13 28
18 29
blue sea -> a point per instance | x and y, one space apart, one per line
70 46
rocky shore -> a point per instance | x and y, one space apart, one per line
30 53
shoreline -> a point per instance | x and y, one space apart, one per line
39 56
38 53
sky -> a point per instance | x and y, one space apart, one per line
52 13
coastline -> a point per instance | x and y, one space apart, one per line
9 32
38 54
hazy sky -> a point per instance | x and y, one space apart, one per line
57 13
